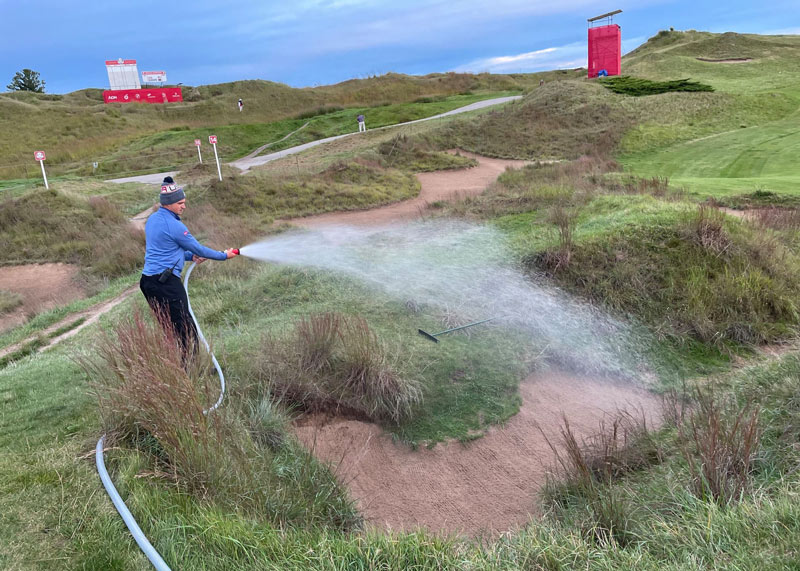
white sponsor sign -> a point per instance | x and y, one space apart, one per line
154 77
122 74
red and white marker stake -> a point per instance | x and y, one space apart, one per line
197 144
40 156
213 140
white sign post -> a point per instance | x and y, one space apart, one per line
197 144
213 140
40 156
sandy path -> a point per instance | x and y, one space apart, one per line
486 486
435 186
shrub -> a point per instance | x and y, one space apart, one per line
150 400
623 443
707 229
637 86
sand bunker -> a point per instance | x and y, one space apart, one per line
725 60
42 287
486 486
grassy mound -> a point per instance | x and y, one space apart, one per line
77 128
46 226
341 186
694 272
418 155
562 119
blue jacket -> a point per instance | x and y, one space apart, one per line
169 244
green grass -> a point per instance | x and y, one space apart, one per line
44 472
742 161
744 140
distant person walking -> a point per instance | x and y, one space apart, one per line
362 125
241 105
168 245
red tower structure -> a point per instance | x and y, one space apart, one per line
605 46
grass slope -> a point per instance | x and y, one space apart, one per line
753 145
77 128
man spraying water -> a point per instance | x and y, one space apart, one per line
169 245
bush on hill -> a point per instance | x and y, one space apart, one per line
336 363
638 87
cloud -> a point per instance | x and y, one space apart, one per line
560 57
568 56
783 32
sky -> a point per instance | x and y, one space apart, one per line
317 42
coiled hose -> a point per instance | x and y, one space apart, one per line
127 516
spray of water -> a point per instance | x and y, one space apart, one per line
465 269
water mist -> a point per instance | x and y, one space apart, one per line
466 269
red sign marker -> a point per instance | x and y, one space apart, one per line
212 139
197 142
39 155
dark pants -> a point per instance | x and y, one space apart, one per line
169 302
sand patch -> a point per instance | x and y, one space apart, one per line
485 486
42 287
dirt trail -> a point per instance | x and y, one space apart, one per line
435 186
89 315
486 486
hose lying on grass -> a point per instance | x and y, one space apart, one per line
127 516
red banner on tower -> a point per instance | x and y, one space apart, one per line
605 50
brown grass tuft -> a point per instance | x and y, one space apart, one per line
146 395
622 444
335 363
708 229
777 218
724 441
